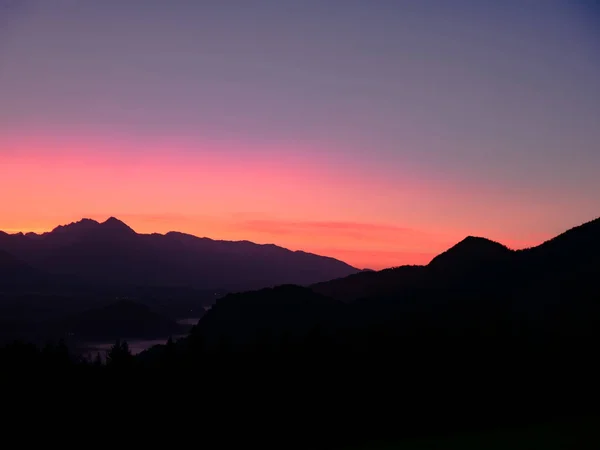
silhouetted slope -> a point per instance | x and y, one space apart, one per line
473 263
112 253
480 282
368 284
471 276
561 277
122 319
245 318
470 253
483 337
14 273
480 310
577 248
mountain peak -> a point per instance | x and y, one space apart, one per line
470 250
81 225
86 226
115 224
473 241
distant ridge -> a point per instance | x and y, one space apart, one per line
111 253
81 225
84 226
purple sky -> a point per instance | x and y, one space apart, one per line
500 99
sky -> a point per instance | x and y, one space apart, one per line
379 132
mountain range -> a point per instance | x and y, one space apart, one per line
480 336
111 253
476 287
480 267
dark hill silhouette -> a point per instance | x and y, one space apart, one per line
478 281
287 310
470 256
576 248
368 284
483 327
485 337
470 252
482 319
15 273
587 233
118 320
112 253
561 277
478 264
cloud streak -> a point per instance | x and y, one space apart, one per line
357 231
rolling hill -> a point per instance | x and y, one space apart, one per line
118 320
477 287
478 265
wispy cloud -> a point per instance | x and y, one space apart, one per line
339 229
377 259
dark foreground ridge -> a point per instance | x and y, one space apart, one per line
484 340
319 391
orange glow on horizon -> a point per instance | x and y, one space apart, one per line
392 249
294 201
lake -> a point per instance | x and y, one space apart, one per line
91 349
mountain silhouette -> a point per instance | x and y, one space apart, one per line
367 284
472 254
477 285
110 253
572 250
557 276
288 310
16 273
483 337
118 320
470 251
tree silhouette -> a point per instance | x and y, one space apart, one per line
56 355
119 356
169 355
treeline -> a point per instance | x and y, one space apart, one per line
345 386
23 357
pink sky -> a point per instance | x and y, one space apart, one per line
350 213
380 134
